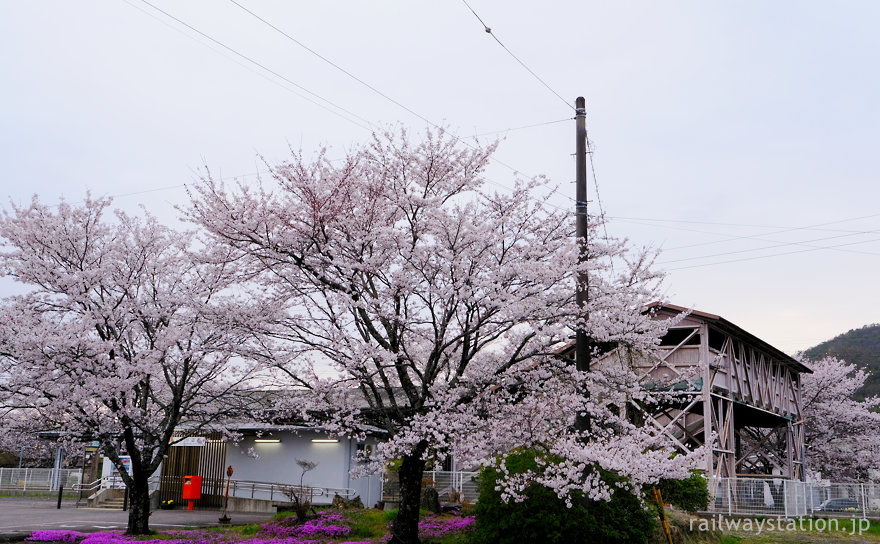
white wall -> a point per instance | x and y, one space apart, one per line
276 463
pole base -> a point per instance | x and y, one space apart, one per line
224 520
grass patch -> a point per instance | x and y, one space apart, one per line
37 495
248 529
874 529
807 531
369 523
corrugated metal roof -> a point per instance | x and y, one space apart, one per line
736 330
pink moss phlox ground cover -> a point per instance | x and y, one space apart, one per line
56 536
197 534
187 537
107 538
285 540
434 528
328 524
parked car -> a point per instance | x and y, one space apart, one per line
839 505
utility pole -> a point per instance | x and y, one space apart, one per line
582 348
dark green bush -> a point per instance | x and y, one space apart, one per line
543 517
691 494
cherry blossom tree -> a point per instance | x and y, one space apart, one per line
28 449
422 304
126 333
842 434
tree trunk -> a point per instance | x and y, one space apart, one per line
139 506
405 529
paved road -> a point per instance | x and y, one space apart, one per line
20 516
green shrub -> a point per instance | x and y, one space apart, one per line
544 517
691 494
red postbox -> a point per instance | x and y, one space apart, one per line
192 489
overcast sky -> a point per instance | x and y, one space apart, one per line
739 138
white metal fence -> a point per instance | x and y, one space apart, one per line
452 487
38 479
790 498
284 492
455 485
247 489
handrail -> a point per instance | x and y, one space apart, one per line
89 486
114 480
237 488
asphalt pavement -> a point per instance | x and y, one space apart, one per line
20 516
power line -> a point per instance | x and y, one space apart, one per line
216 50
371 87
145 191
728 237
523 127
330 62
273 72
780 244
564 101
776 255
665 220
595 180
560 97
517 59
838 247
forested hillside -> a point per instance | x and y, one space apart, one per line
858 346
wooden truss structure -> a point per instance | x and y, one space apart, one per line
723 386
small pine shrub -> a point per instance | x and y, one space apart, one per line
544 517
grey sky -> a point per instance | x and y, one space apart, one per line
719 128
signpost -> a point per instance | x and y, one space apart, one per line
225 519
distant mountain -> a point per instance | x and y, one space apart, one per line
858 346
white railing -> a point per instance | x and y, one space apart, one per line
274 491
453 487
248 489
791 498
38 479
113 481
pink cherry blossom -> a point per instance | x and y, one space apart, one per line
126 332
417 302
